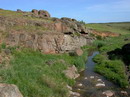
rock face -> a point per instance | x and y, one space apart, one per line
41 32
48 43
7 90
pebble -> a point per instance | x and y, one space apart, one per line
100 85
108 93
99 80
85 78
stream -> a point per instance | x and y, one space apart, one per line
91 84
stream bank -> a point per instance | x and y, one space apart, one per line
91 84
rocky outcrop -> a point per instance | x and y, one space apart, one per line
7 90
41 32
41 13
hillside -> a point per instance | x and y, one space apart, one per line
119 28
42 56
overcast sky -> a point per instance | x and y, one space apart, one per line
90 11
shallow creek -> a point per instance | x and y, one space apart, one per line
91 84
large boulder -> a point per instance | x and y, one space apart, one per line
9 90
79 52
44 13
34 11
71 72
19 10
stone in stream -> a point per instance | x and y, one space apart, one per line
69 87
100 85
99 80
80 85
108 93
85 78
91 77
74 93
124 92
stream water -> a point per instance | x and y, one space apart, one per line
91 84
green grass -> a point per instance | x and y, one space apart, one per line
29 28
17 21
121 28
29 70
111 43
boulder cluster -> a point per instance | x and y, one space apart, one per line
37 13
41 13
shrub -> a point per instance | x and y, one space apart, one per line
3 45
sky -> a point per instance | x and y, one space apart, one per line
90 11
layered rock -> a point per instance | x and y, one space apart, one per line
48 43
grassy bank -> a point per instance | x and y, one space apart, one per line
112 68
37 74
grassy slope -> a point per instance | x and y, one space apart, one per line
35 78
113 70
121 28
20 19
13 15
